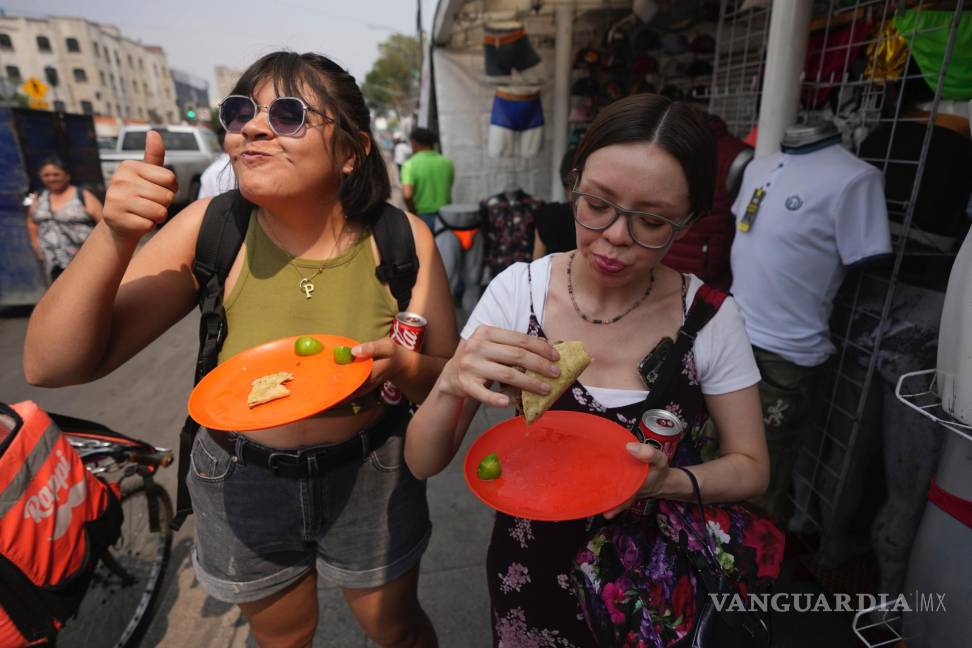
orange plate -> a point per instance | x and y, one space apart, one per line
566 466
219 400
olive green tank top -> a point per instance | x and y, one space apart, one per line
267 303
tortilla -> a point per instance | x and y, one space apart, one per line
573 361
268 388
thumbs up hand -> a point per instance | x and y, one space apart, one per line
140 193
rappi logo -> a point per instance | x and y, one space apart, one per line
43 503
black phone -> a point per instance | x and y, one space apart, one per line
651 364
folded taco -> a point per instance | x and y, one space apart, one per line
573 361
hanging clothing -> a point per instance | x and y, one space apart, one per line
529 562
927 32
506 47
509 223
61 232
515 124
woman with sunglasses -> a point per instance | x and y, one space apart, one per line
642 174
298 136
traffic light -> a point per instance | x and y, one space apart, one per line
191 112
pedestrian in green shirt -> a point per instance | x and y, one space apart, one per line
426 177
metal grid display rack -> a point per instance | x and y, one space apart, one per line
737 71
825 482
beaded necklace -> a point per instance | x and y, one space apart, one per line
570 291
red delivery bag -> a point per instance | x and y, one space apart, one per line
56 518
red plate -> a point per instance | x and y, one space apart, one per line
566 466
219 400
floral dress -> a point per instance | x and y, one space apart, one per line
529 563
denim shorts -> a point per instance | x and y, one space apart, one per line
364 524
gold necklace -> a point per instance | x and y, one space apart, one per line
306 284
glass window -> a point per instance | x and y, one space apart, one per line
80 75
134 85
144 87
112 77
13 73
59 106
173 141
102 76
43 44
117 58
96 50
73 45
5 42
87 108
130 64
140 64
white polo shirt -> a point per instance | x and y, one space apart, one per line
822 211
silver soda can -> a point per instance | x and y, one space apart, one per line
661 429
408 330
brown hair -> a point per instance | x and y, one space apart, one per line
677 127
366 188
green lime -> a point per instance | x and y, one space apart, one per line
342 355
307 345
489 467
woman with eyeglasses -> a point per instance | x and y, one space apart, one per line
298 136
642 174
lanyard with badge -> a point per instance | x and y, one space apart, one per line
752 209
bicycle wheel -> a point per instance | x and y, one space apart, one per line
124 589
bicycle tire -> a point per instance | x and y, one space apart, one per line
115 614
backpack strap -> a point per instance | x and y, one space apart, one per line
220 238
396 247
705 305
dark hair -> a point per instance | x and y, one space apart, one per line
677 127
567 165
54 161
423 136
366 188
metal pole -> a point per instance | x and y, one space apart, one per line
561 95
785 53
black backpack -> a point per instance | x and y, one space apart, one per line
220 237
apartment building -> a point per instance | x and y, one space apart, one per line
88 67
226 78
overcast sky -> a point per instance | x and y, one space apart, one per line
200 34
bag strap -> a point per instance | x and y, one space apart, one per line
396 248
221 235
705 305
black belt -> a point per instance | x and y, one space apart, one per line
310 461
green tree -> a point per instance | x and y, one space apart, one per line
391 86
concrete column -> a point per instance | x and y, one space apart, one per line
561 95
785 53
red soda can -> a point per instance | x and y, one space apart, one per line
408 330
661 429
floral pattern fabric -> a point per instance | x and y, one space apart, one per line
508 224
529 563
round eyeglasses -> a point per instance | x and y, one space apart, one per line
285 115
646 229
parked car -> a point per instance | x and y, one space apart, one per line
188 151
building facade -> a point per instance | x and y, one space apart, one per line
88 68
226 78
